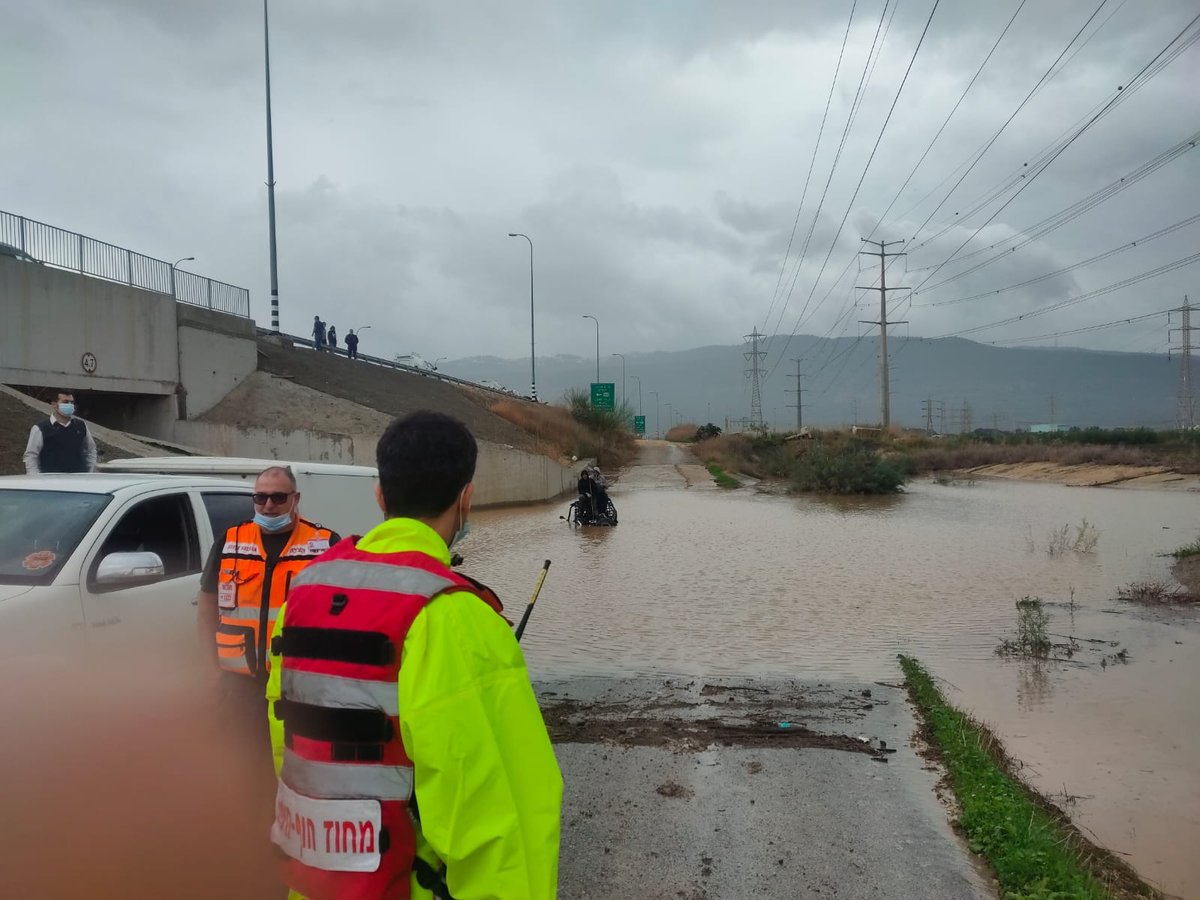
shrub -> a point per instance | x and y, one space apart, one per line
855 468
704 432
683 434
1032 639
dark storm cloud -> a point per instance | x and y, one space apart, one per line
656 153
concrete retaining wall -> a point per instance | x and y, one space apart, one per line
267 443
503 474
53 318
217 352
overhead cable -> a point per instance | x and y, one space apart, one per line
811 163
1108 253
1153 273
1044 166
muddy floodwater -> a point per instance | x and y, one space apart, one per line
700 581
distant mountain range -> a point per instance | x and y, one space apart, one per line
1001 387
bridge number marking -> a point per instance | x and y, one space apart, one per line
88 361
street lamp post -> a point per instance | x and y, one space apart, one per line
657 424
438 360
597 321
670 417
532 355
622 355
639 381
271 177
173 265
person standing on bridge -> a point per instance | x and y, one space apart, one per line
412 756
318 333
62 443
332 336
351 344
242 589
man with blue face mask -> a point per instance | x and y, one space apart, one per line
243 587
61 443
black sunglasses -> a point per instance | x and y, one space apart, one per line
277 498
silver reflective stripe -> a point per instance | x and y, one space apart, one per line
351 574
339 692
249 613
334 781
234 663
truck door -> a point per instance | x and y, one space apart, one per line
152 626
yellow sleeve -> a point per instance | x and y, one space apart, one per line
486 779
273 694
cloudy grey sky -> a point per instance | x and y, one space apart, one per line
656 153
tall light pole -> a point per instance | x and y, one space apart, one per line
670 417
271 178
639 381
597 321
532 355
173 265
657 424
622 355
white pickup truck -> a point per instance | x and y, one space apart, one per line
106 564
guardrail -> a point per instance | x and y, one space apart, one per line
392 364
77 253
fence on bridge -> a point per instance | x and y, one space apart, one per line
88 256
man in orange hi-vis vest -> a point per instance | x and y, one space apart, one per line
243 586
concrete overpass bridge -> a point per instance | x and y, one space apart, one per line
150 350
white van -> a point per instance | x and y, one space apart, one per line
336 496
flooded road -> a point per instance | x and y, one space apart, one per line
700 581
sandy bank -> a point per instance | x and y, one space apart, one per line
1143 477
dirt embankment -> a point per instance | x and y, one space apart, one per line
1092 475
1187 573
353 390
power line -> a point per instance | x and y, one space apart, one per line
1153 273
1064 216
832 169
1084 330
1013 115
817 146
1108 253
1059 143
1107 108
863 177
961 98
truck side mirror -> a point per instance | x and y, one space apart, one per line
129 569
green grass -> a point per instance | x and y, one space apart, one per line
1033 853
720 477
1187 550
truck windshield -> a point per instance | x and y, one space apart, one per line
39 530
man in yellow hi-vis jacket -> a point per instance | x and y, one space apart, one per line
412 756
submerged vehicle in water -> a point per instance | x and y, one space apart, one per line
583 511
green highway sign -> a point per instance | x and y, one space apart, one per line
604 395
639 424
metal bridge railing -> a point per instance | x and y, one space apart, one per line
392 364
88 256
